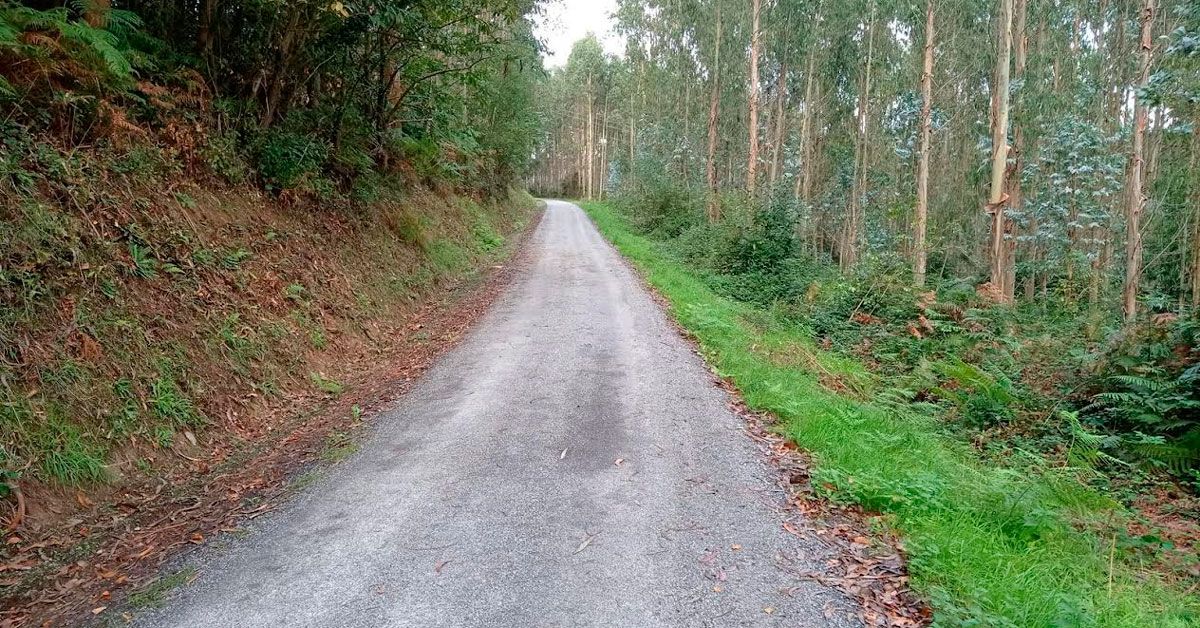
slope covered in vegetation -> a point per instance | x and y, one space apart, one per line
207 210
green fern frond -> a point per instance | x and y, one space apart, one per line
101 43
27 19
9 33
1137 382
123 23
1176 458
1113 398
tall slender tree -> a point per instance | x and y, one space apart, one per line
752 102
920 255
1136 197
997 197
714 116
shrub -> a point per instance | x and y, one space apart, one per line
286 159
223 157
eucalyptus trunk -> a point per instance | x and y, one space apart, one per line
755 36
997 198
920 254
1136 199
714 114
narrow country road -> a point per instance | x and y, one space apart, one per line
569 464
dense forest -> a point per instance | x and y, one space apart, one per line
884 121
306 95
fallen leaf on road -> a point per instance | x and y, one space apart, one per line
586 542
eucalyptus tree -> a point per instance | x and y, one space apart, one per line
1134 192
921 211
891 122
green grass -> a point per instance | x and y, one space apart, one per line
447 257
338 447
70 456
154 594
989 546
325 384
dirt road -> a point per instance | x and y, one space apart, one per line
569 464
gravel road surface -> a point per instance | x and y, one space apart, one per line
569 464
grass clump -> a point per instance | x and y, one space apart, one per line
154 594
326 385
1020 544
338 447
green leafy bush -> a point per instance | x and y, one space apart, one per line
287 159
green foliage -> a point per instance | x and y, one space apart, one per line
65 37
447 257
143 263
325 385
665 207
170 405
445 85
287 159
70 456
223 156
983 399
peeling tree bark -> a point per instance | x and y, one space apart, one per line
808 155
852 230
1136 200
922 210
1021 43
752 160
714 113
778 136
591 140
1194 166
997 198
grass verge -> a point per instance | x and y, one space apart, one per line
988 545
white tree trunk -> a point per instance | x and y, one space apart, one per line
920 254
